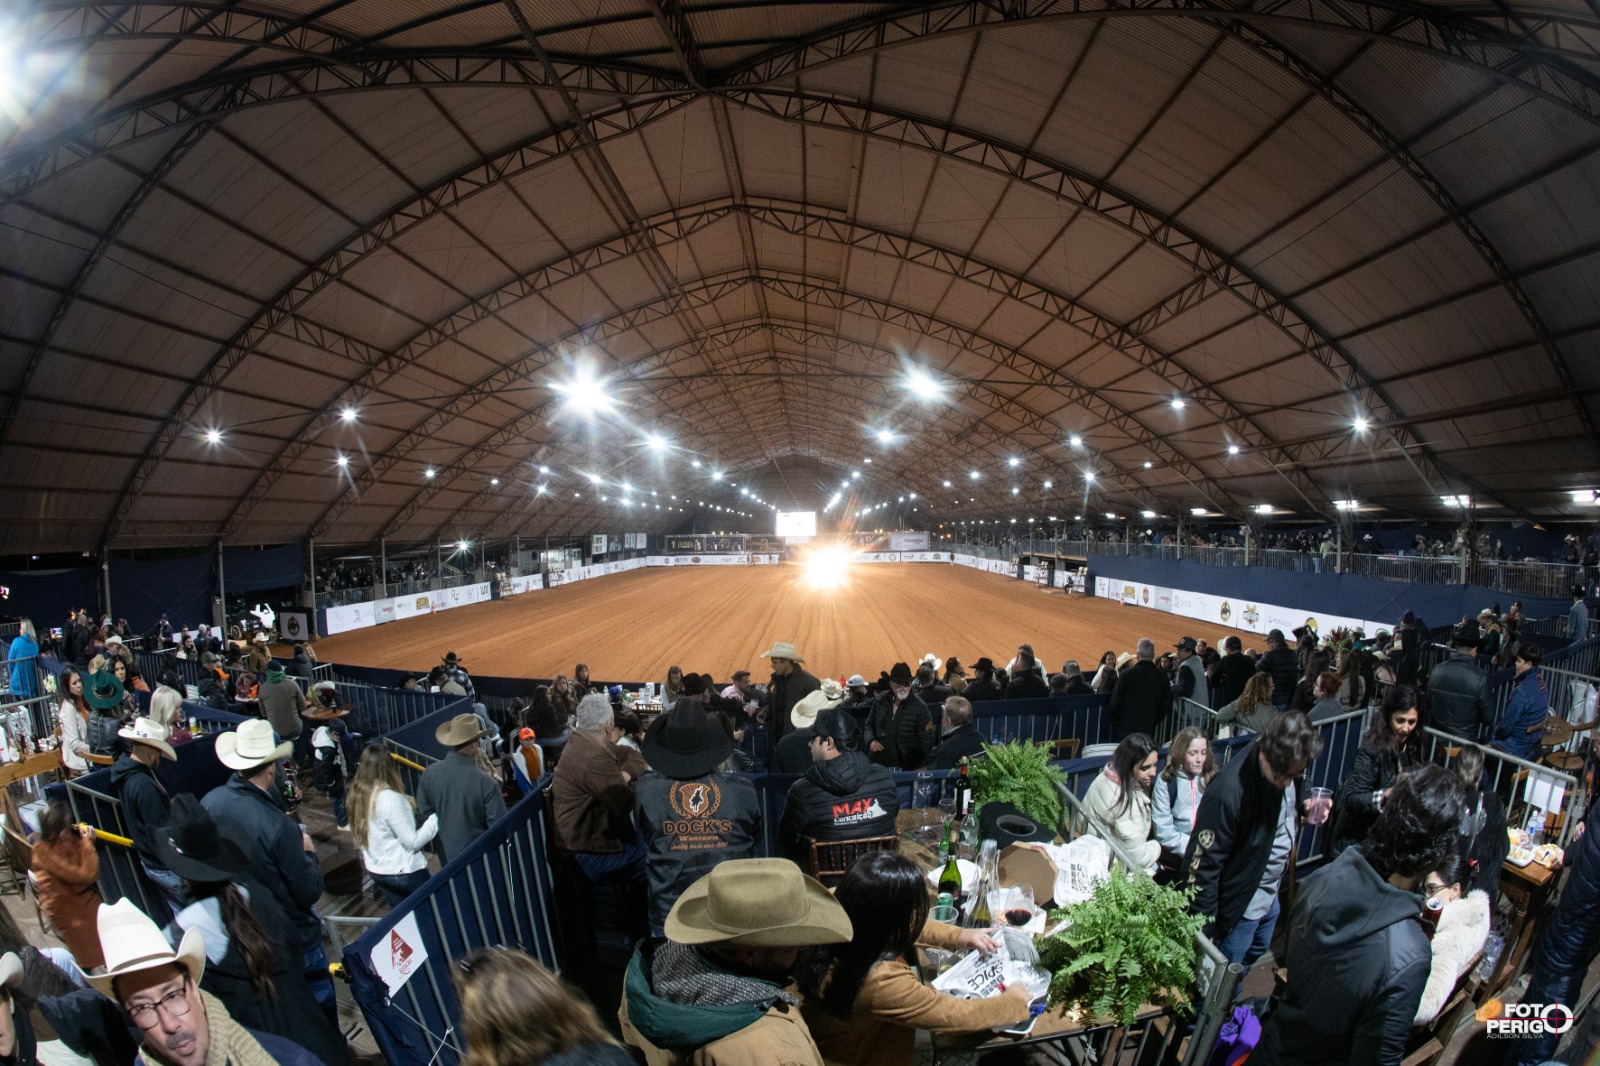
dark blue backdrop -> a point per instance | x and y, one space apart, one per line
255 569
47 595
142 590
1345 594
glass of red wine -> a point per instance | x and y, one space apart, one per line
1019 905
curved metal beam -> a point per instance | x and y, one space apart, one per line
279 314
678 223
802 289
1496 47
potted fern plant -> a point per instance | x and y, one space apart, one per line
1018 773
1130 943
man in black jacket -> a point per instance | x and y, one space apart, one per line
1230 672
1458 692
842 797
960 739
1243 834
1077 685
1143 696
1358 958
1283 665
690 816
1027 683
984 686
146 807
789 685
899 729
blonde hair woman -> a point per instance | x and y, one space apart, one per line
166 707
517 1013
383 820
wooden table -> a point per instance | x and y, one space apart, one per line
1528 888
40 762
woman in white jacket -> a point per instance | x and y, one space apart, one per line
384 821
1175 800
1463 928
1118 802
74 719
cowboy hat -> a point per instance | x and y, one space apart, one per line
261 637
451 658
251 746
1468 634
782 649
900 674
733 904
323 714
1124 659
933 660
462 729
113 639
194 847
103 691
686 742
151 732
984 665
132 942
811 704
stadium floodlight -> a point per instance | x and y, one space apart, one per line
925 385
343 460
1360 423
655 442
716 475
1049 484
1147 514
1111 515
1233 449
430 473
1263 508
213 436
1075 440
1177 403
1346 505
1148 464
885 436
1089 477
1013 462
1456 501
494 481
1197 511
973 474
348 414
584 393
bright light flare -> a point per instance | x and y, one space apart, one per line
826 567
585 394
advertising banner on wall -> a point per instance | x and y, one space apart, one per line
927 557
597 544
1237 612
351 616
876 557
908 542
710 560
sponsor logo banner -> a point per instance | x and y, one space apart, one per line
908 542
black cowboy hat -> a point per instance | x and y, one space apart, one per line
694 685
195 847
984 665
686 742
900 674
1468 633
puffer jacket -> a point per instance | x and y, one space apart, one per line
1358 962
1357 801
1569 940
1458 697
1527 709
690 826
906 733
765 1028
846 798
1128 828
1174 805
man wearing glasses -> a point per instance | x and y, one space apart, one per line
160 989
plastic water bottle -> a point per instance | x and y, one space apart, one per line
1491 955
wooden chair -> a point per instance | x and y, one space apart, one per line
1064 749
99 760
829 859
1457 1009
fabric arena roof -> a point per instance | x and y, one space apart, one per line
750 219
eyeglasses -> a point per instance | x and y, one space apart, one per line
175 1003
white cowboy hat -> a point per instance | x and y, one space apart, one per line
113 639
251 746
132 942
261 637
782 649
814 703
151 732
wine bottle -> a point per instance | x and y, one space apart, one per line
963 791
950 880
947 847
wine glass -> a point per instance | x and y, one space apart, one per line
1019 905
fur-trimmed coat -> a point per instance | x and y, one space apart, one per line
1463 928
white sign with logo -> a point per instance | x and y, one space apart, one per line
400 954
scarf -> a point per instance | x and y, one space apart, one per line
231 1043
682 975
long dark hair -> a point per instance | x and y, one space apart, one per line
1134 749
64 687
246 931
1380 734
886 896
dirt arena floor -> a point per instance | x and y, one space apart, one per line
719 619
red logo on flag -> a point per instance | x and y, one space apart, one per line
399 953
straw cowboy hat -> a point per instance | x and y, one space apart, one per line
250 746
782 649
261 637
686 742
733 904
462 729
814 703
132 942
1124 659
151 732
195 848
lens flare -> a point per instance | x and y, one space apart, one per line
826 567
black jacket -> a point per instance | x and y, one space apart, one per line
847 798
986 688
75 645
1357 809
1567 945
1488 846
690 826
1232 842
146 806
794 752
1358 960
785 692
1284 665
1027 685
961 741
1077 686
271 841
1141 700
1458 697
905 734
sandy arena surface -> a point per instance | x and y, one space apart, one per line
719 619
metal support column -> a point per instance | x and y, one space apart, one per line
222 591
105 576
383 567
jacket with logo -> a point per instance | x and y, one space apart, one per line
846 798
690 826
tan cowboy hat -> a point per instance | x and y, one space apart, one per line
462 729
151 732
733 905
261 637
782 649
132 942
1124 659
814 703
251 746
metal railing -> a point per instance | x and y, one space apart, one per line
26 670
1527 578
121 876
1503 772
346 597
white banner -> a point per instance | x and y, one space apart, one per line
384 609
1243 613
597 544
876 557
351 616
400 954
927 557
908 542
710 560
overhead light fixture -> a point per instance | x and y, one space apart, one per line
348 414
973 474
343 460
1148 464
947 484
924 384
1147 514
584 393
1013 462
1263 508
1346 505
1586 497
1049 484
1360 423
1075 440
540 490
885 436
1197 511
462 545
1089 477
1456 501
1015 491
544 470
494 481
213 436
1233 449
1177 403
1111 515
429 473
716 475
594 479
655 442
